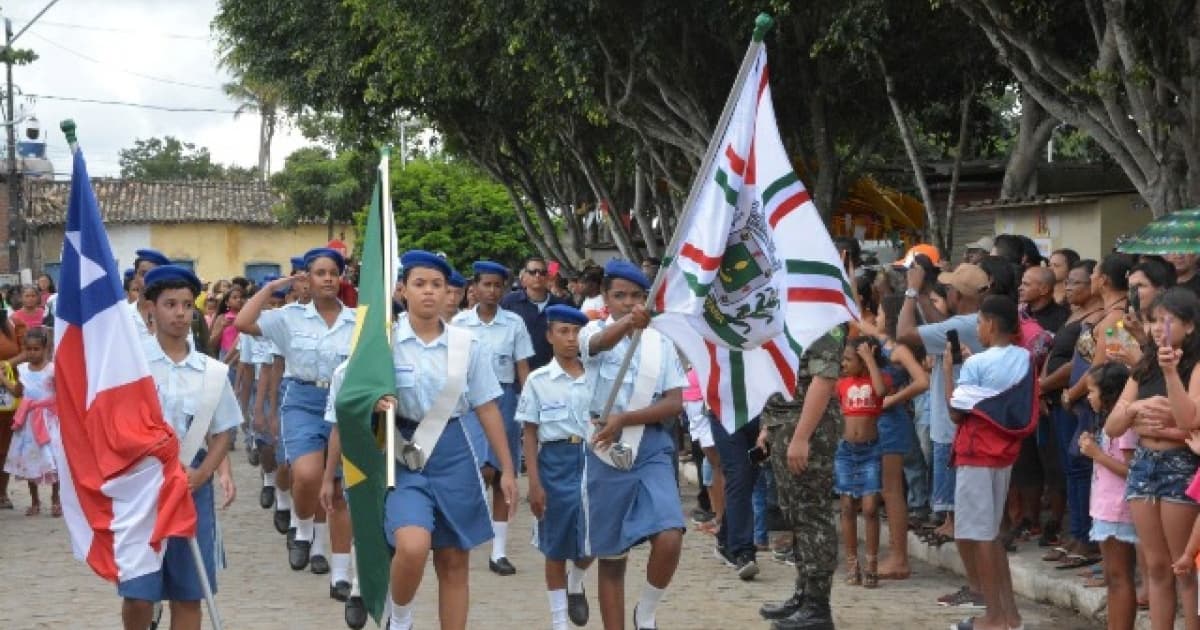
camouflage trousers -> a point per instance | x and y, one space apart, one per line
805 501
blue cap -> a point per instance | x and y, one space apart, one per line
626 270
151 255
486 266
297 263
166 273
420 258
325 252
457 280
564 313
129 274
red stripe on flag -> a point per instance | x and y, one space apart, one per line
763 82
660 298
789 204
751 166
828 296
781 363
696 255
736 163
713 387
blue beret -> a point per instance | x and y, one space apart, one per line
626 270
151 255
325 252
486 266
564 313
457 280
297 263
167 273
129 274
420 258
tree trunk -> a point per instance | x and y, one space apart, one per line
1036 127
613 217
947 242
641 213
933 228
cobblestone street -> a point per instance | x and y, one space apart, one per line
45 587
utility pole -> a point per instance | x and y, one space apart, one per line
14 188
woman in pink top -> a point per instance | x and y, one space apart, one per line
223 332
1112 521
31 312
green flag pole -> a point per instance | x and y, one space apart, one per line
762 24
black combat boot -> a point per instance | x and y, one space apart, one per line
772 611
814 614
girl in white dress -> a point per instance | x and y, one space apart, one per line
35 425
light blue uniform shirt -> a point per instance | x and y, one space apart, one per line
310 349
607 364
557 402
421 373
179 388
505 337
335 385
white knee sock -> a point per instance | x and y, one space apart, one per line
304 528
354 591
647 605
320 538
268 480
283 500
558 609
575 575
401 616
339 565
500 541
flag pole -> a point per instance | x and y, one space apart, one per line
68 129
762 24
389 287
198 559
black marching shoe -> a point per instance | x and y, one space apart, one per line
252 455
635 622
282 520
502 567
813 614
291 537
782 610
356 613
318 565
577 608
298 554
339 591
266 498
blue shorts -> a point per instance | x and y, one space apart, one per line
445 499
857 469
302 418
896 431
560 532
177 580
1103 530
507 402
624 508
1163 475
943 478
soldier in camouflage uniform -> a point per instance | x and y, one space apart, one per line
805 498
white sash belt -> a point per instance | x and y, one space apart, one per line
415 453
645 383
216 374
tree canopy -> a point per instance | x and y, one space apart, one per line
169 158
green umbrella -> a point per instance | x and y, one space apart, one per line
1173 233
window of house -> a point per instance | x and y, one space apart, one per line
186 263
257 272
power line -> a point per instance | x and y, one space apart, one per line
102 29
161 108
148 77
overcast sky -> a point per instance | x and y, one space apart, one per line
132 51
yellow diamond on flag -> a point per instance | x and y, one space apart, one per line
352 475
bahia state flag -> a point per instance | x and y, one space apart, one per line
757 277
369 374
123 490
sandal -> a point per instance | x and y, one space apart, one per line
1056 554
853 574
1078 561
937 540
870 577
56 510
34 509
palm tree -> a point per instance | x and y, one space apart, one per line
254 96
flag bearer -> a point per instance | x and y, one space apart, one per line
554 408
198 401
630 489
442 371
502 333
314 338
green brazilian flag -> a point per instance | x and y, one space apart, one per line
370 374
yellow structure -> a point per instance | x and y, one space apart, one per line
219 229
1088 223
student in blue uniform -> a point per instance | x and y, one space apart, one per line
314 338
181 374
442 371
456 287
504 335
555 409
297 291
632 496
264 403
139 310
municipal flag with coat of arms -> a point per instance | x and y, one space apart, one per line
756 278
